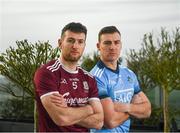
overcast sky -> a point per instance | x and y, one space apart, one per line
43 19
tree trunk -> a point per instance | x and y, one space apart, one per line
165 110
35 117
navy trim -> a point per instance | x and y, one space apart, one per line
100 64
103 96
137 92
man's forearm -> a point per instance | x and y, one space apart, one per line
92 121
73 115
140 110
63 115
116 119
95 120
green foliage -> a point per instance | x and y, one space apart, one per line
157 64
17 108
19 65
88 62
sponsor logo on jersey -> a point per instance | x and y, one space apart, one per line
124 96
63 81
129 79
66 94
75 101
73 79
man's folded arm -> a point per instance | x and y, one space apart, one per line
95 120
65 116
112 118
137 108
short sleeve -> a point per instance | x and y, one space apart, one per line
102 88
45 81
93 93
137 88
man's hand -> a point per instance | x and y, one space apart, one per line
58 100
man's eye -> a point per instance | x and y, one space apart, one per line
81 41
70 40
117 42
107 42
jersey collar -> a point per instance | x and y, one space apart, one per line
69 71
100 64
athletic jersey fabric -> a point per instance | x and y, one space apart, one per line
120 85
77 87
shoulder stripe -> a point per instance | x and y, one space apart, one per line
54 66
55 69
96 71
86 72
99 72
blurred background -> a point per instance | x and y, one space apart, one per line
26 23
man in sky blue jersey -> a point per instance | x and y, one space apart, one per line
118 87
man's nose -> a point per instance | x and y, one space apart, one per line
112 46
75 44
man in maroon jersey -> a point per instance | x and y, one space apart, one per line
76 89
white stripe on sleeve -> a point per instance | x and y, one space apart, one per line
49 93
93 98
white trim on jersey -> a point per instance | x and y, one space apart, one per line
96 71
54 66
99 72
93 98
73 72
86 72
49 93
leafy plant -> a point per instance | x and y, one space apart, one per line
157 64
19 64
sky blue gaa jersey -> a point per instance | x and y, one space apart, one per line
120 85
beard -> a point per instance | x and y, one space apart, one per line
70 58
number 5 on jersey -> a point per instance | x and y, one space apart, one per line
74 85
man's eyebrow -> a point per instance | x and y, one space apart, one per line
107 41
71 38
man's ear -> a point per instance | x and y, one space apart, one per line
98 46
59 43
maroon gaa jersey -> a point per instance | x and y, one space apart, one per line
77 87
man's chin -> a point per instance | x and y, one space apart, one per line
73 59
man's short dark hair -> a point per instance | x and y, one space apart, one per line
107 30
74 27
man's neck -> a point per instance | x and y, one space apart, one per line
110 64
69 65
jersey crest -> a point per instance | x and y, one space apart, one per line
86 86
